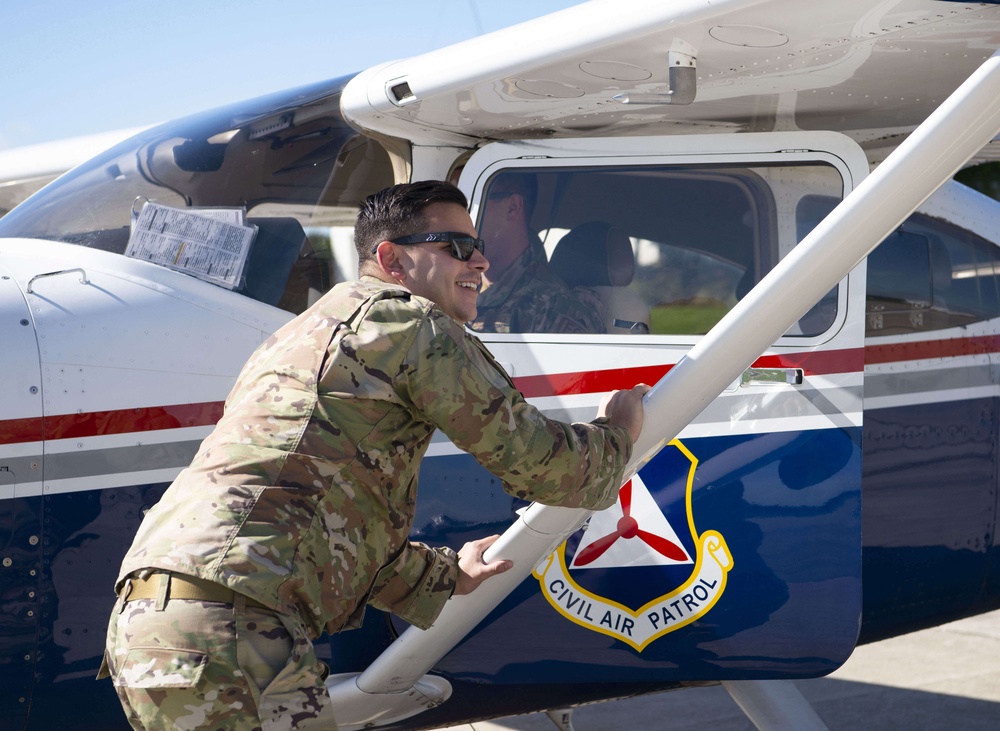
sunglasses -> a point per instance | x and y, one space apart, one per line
462 245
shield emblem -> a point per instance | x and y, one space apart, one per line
640 569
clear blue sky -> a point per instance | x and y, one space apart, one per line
69 67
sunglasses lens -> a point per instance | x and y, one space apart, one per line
462 247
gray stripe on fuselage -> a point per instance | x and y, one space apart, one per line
136 458
18 469
901 382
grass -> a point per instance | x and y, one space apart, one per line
686 319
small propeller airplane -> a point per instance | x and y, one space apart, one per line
760 193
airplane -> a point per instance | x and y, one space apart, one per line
759 191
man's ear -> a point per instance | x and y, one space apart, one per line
515 204
389 262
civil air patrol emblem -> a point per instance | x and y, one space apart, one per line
640 569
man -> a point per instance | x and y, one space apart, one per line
296 510
520 293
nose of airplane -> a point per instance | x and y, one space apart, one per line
20 387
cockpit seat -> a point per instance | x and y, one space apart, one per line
276 248
599 256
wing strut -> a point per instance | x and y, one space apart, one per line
388 690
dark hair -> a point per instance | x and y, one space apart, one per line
399 211
524 184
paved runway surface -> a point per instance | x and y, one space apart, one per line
946 678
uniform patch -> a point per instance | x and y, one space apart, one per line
601 577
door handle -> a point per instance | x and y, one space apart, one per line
791 376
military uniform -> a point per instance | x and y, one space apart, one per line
529 298
302 498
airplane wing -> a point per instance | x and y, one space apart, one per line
870 70
24 170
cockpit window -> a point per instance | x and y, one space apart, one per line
931 275
637 250
926 275
289 159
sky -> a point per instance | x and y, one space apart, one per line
70 68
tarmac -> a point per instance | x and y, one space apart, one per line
947 677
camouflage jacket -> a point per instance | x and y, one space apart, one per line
529 298
303 495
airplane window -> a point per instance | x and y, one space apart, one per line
701 287
927 275
810 210
974 286
899 292
900 271
653 249
295 173
943 275
327 254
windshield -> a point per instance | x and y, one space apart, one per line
289 159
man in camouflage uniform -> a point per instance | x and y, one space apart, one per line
520 293
296 510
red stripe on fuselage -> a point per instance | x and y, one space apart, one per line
925 349
566 384
18 431
563 384
122 421
125 421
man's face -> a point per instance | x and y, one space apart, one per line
432 272
502 226
494 223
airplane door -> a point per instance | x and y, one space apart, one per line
20 505
736 552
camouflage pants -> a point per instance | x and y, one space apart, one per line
205 665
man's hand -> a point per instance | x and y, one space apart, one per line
624 408
471 570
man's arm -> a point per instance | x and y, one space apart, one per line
417 583
454 382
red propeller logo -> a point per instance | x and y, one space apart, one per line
628 527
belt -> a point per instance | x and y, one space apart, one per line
183 587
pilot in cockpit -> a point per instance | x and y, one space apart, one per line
520 294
